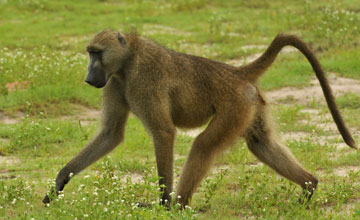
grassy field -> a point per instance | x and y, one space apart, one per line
48 113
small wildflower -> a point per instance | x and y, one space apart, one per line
105 209
87 176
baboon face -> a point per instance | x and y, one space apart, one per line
106 53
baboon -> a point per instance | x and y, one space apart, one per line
166 89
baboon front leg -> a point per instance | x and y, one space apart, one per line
221 132
109 136
264 146
106 140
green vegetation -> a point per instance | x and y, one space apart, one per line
42 67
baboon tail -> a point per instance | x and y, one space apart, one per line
255 69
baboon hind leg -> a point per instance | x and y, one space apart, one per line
162 131
263 144
223 130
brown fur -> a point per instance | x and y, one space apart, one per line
166 89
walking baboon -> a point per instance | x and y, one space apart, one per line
167 89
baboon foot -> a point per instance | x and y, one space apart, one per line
181 204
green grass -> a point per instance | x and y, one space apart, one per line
43 64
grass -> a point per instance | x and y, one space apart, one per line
42 67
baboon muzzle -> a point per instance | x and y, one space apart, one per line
96 78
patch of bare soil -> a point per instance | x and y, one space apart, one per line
220 168
179 157
8 161
5 174
346 209
86 116
152 29
191 133
344 171
4 141
321 120
134 177
5 119
305 95
89 115
7 177
297 136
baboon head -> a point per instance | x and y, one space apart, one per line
107 52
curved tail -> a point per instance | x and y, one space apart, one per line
255 69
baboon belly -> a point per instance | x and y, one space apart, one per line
190 116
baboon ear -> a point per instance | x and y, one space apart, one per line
121 39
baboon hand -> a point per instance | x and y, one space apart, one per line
60 184
47 199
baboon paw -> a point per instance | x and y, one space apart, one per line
50 196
